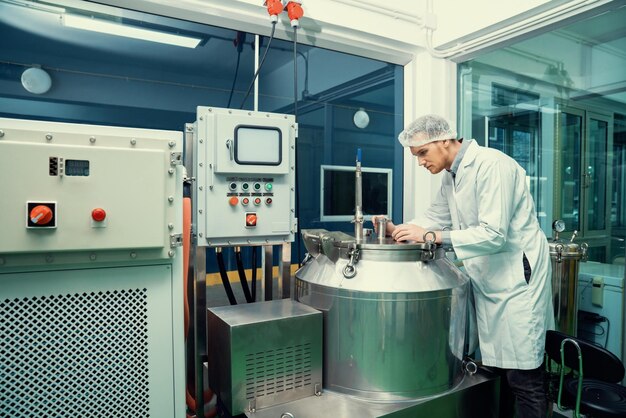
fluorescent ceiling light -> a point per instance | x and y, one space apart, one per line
111 28
35 6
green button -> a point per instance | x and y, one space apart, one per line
268 186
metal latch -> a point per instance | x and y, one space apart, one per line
349 271
176 240
176 158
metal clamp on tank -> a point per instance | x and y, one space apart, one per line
431 244
349 271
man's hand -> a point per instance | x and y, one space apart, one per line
410 232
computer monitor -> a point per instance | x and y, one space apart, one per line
337 192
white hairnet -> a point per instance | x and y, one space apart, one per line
425 129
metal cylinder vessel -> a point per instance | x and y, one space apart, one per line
565 258
394 315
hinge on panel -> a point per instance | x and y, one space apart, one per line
176 158
176 240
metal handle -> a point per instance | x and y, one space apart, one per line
584 247
429 241
470 367
349 271
559 252
231 148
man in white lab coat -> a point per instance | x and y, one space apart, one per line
485 203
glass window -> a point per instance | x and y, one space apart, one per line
331 88
552 102
101 78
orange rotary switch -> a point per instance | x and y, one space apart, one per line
250 219
233 201
98 214
41 215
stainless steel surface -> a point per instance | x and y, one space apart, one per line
565 259
394 331
475 397
263 354
381 228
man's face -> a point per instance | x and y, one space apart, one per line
432 156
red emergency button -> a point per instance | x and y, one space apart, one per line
233 201
98 214
250 219
41 215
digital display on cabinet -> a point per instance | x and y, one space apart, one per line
77 168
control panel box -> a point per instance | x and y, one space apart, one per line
71 189
245 177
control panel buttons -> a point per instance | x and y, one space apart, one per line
251 220
257 201
257 187
233 201
41 215
98 214
269 187
245 187
268 201
232 186
245 201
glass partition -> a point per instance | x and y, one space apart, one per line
556 104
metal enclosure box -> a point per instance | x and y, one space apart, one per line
264 354
91 306
244 164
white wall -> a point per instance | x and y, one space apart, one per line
456 18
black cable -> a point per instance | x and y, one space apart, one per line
295 113
239 41
224 276
242 276
256 73
253 264
232 88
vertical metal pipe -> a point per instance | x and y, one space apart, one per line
268 274
284 267
624 323
358 199
200 336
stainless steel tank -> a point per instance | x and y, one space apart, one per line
394 314
565 258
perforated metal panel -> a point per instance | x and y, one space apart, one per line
263 354
81 354
279 370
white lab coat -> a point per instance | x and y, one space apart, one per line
493 220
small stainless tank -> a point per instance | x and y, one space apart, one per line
565 258
394 314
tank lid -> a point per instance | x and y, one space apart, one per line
337 245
